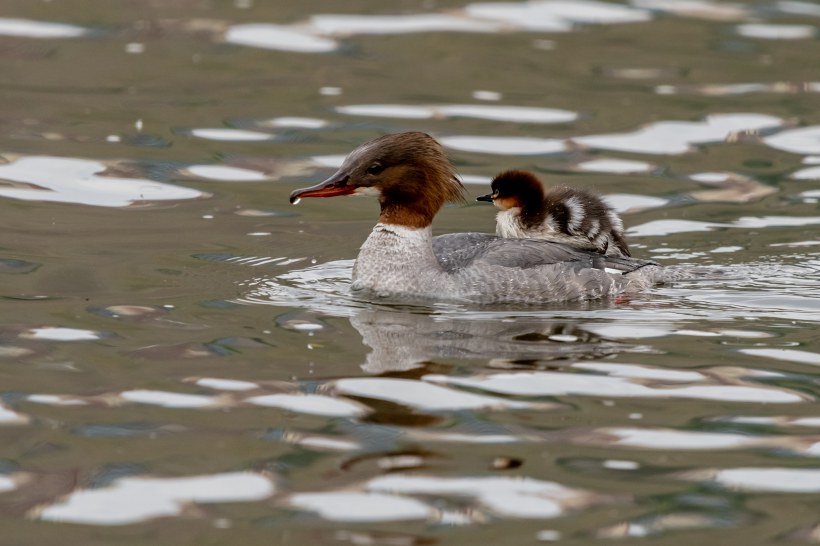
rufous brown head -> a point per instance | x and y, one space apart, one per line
408 173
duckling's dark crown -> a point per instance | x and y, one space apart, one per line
517 183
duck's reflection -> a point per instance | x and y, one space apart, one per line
401 340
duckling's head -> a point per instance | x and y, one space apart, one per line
515 189
408 173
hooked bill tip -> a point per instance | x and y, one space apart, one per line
295 196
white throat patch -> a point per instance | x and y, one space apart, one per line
367 191
508 224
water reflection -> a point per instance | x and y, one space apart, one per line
771 479
516 114
39 29
82 181
663 137
137 499
620 381
403 341
391 498
777 32
188 364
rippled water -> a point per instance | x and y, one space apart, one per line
182 359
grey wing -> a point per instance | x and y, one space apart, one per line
626 264
458 250
527 253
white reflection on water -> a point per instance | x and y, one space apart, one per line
796 244
390 498
810 173
11 417
775 480
668 227
313 404
615 166
317 442
649 438
622 202
516 497
39 29
169 399
662 137
729 89
223 172
56 400
68 180
224 134
225 384
659 524
679 439
516 114
664 439
7 483
355 506
475 179
615 385
704 9
279 37
796 7
347 25
54 333
481 94
132 500
331 161
555 16
776 32
413 394
420 395
805 140
293 122
504 145
780 421
319 33
788 355
677 137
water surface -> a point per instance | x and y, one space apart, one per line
182 360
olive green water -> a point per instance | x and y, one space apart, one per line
149 336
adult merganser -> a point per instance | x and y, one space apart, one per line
568 215
400 260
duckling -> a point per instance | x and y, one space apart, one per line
573 216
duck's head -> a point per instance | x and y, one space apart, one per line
515 189
407 172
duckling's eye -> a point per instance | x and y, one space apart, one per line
375 168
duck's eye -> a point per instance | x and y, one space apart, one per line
375 168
